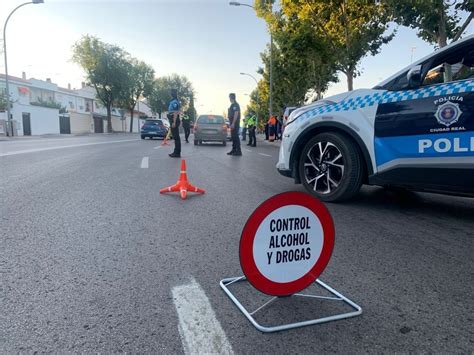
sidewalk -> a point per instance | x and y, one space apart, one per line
261 140
63 136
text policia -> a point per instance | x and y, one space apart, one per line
297 239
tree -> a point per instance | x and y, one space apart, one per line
352 29
106 68
139 83
303 64
159 96
436 21
305 60
3 102
259 100
191 111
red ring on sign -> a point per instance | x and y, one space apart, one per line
247 261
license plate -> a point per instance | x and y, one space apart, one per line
151 132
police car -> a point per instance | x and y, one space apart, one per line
414 130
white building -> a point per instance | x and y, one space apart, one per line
42 107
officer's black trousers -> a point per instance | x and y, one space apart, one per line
252 137
235 140
244 133
187 130
177 140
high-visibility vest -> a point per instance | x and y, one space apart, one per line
251 121
185 117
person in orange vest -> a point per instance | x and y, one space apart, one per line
272 128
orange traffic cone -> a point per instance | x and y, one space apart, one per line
182 185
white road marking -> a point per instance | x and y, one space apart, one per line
63 146
248 150
265 155
200 331
144 163
157 147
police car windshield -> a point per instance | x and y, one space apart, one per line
208 119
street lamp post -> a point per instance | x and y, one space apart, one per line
270 109
7 86
256 112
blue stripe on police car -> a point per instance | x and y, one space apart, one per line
424 146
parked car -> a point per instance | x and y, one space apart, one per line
415 130
210 128
154 129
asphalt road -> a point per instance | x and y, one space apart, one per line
94 259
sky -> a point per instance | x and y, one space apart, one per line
207 40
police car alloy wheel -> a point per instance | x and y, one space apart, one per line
331 167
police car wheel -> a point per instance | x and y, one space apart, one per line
331 167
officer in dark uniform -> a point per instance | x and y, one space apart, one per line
233 114
173 116
186 126
244 129
251 123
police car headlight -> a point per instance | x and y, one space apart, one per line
293 118
300 112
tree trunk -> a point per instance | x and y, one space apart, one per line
319 94
109 119
131 120
443 42
442 35
350 79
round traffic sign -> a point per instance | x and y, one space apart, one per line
286 243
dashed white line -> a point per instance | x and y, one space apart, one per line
144 164
248 150
64 146
265 155
157 147
200 331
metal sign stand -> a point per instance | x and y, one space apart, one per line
357 310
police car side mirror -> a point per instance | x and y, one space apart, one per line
414 77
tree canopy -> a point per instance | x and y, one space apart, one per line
436 21
106 68
160 96
347 30
140 83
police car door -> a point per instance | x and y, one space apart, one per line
424 135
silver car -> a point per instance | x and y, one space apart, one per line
210 128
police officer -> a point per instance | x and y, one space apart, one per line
173 116
186 126
251 123
233 114
244 129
